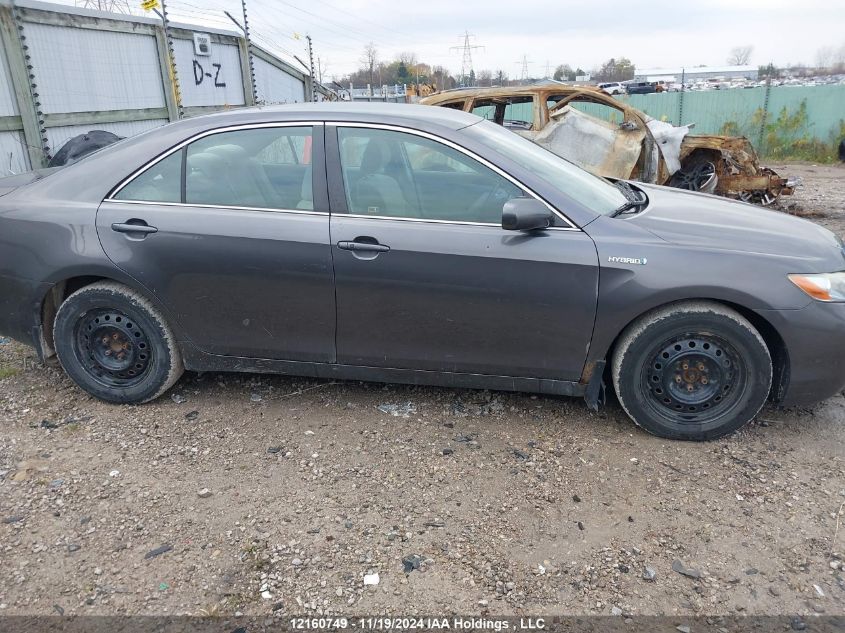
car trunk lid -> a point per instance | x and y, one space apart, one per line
9 183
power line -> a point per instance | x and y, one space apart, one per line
112 6
323 23
360 19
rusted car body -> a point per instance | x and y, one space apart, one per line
622 142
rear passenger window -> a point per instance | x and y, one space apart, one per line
160 183
263 167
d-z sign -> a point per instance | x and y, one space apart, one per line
200 75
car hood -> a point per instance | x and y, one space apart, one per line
700 220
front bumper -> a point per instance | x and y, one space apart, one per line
20 308
815 342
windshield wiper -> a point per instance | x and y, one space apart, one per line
634 200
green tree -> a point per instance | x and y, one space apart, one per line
564 72
613 69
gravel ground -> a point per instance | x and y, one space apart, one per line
262 494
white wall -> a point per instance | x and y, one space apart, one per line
204 84
81 70
275 85
13 156
8 104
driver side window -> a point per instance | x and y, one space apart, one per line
395 174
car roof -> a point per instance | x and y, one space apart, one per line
366 112
505 91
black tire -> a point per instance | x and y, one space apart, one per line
115 344
691 371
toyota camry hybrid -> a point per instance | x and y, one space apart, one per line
417 245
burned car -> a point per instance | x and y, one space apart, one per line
609 138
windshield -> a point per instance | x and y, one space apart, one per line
595 193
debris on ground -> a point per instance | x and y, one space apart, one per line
404 410
411 562
680 568
158 551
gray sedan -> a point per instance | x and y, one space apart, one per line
417 245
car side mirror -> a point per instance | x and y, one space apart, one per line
526 214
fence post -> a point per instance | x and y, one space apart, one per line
681 98
311 70
761 150
252 97
249 86
21 71
169 61
170 98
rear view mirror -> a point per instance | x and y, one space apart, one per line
526 214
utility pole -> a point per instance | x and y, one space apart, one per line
547 69
466 61
311 70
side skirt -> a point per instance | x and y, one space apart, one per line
199 361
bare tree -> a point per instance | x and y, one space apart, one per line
485 78
370 60
408 58
824 57
740 55
322 68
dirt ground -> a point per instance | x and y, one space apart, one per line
262 494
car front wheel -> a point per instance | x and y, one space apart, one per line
692 371
115 344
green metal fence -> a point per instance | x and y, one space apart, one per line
710 110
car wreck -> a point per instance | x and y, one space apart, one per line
609 138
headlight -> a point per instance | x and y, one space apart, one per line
824 287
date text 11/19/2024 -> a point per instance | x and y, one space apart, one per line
457 623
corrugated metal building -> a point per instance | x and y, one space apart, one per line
692 74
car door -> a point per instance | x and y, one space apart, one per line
231 232
427 279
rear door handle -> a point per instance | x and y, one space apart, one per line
133 226
363 246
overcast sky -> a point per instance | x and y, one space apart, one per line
652 33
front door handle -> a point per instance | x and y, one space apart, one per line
363 246
133 226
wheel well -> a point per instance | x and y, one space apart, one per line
772 338
51 303
701 153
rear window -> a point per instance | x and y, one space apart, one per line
160 183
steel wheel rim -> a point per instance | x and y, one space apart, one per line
113 349
693 378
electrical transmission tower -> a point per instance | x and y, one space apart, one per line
524 62
466 63
112 6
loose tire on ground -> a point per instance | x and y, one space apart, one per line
691 371
115 344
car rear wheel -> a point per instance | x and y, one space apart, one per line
692 371
115 344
